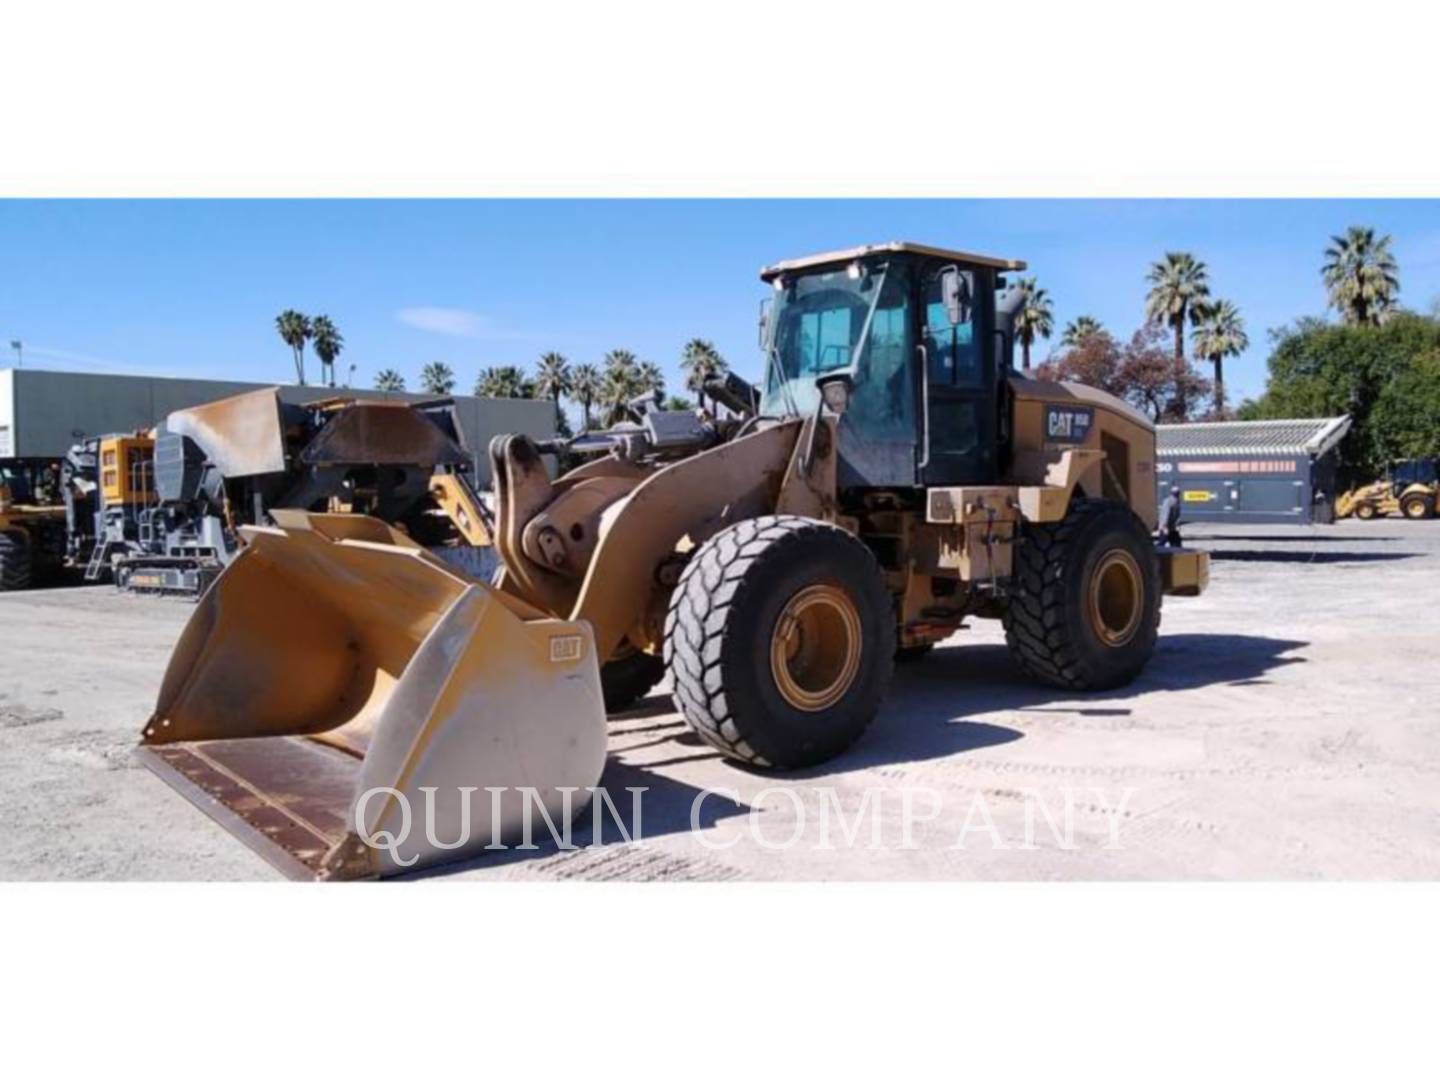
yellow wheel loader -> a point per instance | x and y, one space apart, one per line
356 708
1410 488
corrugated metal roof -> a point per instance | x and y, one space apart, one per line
1313 437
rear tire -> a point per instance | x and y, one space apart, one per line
16 561
630 677
1084 608
780 641
1418 507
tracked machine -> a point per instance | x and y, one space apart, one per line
895 478
160 511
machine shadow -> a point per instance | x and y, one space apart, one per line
1218 555
665 806
925 717
1290 539
926 713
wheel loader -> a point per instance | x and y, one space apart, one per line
1410 488
356 708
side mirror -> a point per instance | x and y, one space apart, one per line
767 320
835 390
956 291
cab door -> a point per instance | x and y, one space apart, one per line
958 438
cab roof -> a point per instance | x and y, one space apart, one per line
894 247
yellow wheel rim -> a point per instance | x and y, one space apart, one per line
815 647
1415 510
1117 598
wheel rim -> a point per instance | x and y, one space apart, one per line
1415 510
1117 598
815 647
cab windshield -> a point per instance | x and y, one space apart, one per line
845 320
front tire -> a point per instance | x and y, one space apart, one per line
1084 608
16 561
780 641
1365 511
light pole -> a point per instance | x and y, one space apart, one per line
19 347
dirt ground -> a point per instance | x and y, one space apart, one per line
1286 729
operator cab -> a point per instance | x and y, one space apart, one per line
906 343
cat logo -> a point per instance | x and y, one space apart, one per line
566 648
1067 423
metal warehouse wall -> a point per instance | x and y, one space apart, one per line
44 413
1265 490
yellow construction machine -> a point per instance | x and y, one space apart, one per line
356 708
32 522
1410 488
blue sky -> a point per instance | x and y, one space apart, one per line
192 287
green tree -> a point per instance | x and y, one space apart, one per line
700 360
1034 317
507 381
437 378
1220 333
677 404
552 376
620 360
1179 284
650 379
1079 329
586 387
294 330
620 385
391 380
1387 378
619 388
327 342
1361 276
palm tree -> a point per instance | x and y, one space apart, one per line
437 378
1179 284
328 344
1361 276
1034 318
504 382
700 361
619 360
390 379
650 379
586 387
552 376
1219 333
620 386
294 331
1078 329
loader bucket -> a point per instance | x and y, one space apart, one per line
351 706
